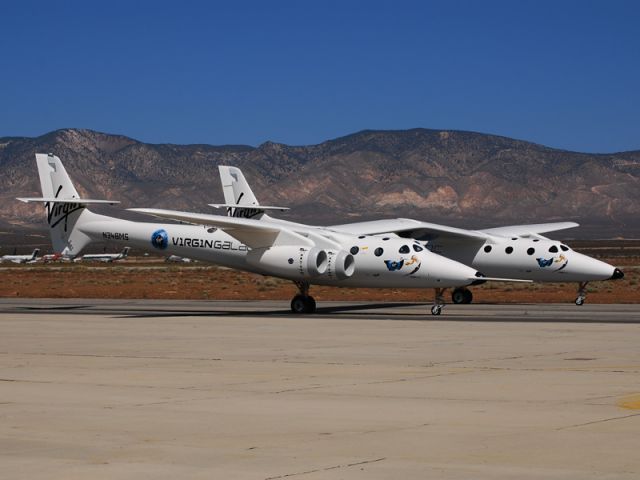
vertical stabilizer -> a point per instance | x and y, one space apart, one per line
62 217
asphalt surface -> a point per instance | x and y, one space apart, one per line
192 389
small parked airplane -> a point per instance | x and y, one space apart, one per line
21 258
106 257
303 254
518 252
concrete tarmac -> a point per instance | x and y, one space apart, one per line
186 389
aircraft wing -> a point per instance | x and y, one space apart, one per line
406 227
253 233
524 230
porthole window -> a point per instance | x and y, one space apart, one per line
508 250
553 249
487 248
417 248
404 249
564 248
354 250
378 251
531 251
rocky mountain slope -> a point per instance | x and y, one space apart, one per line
461 178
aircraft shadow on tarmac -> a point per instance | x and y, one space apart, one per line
512 313
376 311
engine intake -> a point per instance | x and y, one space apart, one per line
341 265
290 261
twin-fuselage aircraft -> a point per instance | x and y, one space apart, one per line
388 254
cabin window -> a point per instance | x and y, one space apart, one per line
354 250
564 248
508 250
378 251
487 248
385 239
531 251
553 249
361 237
404 249
536 239
417 248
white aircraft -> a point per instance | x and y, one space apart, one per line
177 259
21 258
301 253
106 257
518 252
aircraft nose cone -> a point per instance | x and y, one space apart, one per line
617 274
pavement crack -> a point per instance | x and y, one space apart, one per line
324 469
598 421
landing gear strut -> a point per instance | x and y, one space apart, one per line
461 295
438 303
582 293
303 302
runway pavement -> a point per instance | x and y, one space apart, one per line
191 389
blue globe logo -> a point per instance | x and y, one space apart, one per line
160 239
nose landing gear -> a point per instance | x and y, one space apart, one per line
303 302
582 293
438 303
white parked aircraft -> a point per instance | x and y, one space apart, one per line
21 258
301 253
518 252
106 257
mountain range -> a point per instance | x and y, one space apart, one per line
464 179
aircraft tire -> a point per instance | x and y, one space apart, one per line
461 295
303 304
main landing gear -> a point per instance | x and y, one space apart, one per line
438 303
461 295
582 293
303 302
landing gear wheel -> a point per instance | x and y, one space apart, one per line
582 293
436 309
461 295
303 304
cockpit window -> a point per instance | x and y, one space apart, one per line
553 249
417 248
564 248
404 249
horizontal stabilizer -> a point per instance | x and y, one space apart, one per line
83 201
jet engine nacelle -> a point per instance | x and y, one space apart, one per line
290 261
341 265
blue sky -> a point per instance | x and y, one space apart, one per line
561 73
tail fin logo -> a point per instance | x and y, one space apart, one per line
160 239
57 212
